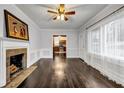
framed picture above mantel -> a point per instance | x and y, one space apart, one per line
15 28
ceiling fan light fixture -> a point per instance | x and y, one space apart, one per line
58 17
62 16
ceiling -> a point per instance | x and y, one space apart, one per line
38 13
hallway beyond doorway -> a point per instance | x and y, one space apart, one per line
59 45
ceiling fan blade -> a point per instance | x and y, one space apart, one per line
65 18
70 13
54 18
50 11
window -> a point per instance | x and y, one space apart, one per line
108 40
94 41
83 39
114 41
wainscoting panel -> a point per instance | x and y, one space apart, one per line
35 56
72 53
46 53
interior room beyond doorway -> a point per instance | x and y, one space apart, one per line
59 46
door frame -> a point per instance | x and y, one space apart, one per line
53 42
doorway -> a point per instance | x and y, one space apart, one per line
59 46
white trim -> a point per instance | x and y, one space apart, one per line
4 45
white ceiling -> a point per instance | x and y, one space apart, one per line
38 13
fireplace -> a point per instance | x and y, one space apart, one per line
16 62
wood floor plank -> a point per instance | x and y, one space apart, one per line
66 73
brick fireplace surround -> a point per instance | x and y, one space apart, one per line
13 67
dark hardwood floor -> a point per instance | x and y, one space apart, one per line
66 73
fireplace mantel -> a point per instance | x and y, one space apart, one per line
5 44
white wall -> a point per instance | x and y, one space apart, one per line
110 67
46 41
40 39
34 30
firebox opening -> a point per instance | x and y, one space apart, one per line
16 64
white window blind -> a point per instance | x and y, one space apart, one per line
108 39
95 41
114 41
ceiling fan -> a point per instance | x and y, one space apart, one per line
61 14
